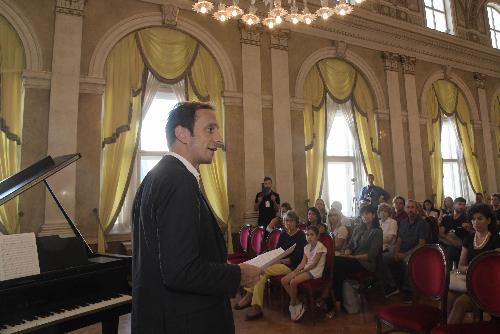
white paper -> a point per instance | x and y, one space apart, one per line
267 259
18 256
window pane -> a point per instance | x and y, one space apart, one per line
428 3
340 187
147 163
439 5
497 44
153 125
340 140
451 180
490 17
496 18
429 18
440 21
449 140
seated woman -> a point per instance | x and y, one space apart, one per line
277 222
429 210
361 253
292 235
313 217
311 267
339 231
483 239
388 225
320 205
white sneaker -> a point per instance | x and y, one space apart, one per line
300 312
292 310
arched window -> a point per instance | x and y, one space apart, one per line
343 163
437 15
494 19
455 180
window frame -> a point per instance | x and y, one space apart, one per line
493 7
446 12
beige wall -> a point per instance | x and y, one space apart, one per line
100 19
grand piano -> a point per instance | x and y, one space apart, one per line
76 287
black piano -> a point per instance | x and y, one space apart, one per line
76 287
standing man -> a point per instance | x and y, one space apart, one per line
371 194
267 202
181 281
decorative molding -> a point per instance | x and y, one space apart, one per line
169 15
36 79
26 33
297 104
477 124
473 36
447 72
279 39
232 98
391 61
70 7
341 47
479 79
267 101
408 64
390 9
92 85
250 35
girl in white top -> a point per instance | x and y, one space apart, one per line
311 266
388 225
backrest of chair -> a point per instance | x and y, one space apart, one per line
483 282
256 239
273 238
328 241
302 226
427 270
245 237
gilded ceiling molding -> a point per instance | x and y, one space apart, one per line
70 7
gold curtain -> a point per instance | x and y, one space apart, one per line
205 84
121 118
434 139
12 63
342 82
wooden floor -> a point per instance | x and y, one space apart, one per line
275 321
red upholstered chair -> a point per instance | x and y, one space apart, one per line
302 226
242 255
257 240
483 277
273 238
427 270
316 286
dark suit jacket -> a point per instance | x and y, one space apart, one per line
181 282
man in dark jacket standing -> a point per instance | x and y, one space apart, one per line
181 282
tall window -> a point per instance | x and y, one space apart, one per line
455 180
494 18
437 15
343 164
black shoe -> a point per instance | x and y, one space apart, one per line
390 291
408 297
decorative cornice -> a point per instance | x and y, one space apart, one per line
408 64
279 39
267 101
479 79
391 61
250 35
70 7
169 15
340 48
36 79
388 9
232 98
472 35
92 85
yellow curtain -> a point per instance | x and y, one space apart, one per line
205 84
12 63
122 108
434 139
339 78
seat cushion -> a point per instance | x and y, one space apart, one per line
418 317
473 328
313 284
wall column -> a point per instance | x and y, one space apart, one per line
63 111
391 67
490 185
417 163
281 115
252 113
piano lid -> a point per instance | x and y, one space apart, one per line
32 175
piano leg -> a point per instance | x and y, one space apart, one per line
110 325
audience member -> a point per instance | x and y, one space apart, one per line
311 267
361 252
398 203
345 221
339 231
412 233
481 240
479 198
495 203
267 203
277 221
313 217
323 229
291 236
447 208
429 210
320 205
388 225
372 194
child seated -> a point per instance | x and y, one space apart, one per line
311 267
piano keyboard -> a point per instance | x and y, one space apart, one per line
52 317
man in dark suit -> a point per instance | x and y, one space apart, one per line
181 281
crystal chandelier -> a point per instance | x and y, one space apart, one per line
276 13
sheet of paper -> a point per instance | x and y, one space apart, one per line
267 259
18 256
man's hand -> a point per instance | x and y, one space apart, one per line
273 198
260 198
399 257
250 275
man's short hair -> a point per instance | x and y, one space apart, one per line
183 114
366 209
267 178
399 197
459 200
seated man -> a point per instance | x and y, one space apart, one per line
399 214
452 231
413 232
292 235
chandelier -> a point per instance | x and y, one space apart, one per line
276 13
